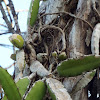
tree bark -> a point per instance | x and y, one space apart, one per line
62 26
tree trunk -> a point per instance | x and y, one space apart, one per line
62 26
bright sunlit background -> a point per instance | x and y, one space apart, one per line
22 7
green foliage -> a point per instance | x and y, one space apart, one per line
93 73
17 40
22 85
62 56
9 86
4 98
33 12
74 67
71 67
37 92
13 57
54 54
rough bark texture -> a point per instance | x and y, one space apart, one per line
62 26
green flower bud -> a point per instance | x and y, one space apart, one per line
17 40
13 57
62 56
54 54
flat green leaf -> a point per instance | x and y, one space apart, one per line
37 92
22 85
33 12
9 86
74 67
4 98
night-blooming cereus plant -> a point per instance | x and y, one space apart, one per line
74 67
19 90
16 91
9 86
25 88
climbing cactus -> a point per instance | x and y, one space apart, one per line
33 11
62 56
17 40
37 92
49 34
8 85
74 67
22 88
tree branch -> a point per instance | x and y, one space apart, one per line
15 16
7 46
6 19
5 33
8 10
3 25
10 66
